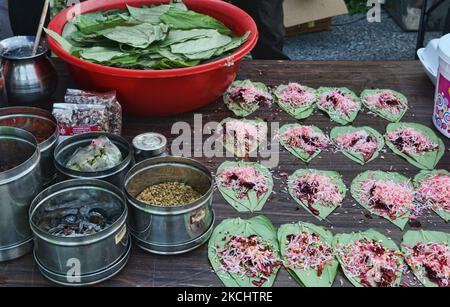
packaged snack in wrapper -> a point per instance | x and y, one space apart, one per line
76 119
99 156
109 100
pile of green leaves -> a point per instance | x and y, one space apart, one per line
157 37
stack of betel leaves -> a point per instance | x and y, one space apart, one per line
150 37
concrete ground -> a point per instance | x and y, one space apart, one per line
351 38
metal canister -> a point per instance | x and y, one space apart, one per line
43 126
20 182
149 145
170 230
83 259
115 175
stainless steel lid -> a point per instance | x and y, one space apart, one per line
150 143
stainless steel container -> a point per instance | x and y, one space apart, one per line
20 182
3 100
29 79
43 126
170 230
115 175
81 260
149 145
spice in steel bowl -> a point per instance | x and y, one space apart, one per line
169 194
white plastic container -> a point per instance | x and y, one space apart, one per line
441 114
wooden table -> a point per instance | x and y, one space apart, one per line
193 269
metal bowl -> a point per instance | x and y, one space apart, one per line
87 259
170 230
115 175
43 126
20 182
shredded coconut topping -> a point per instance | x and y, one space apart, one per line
297 95
249 257
339 101
243 179
305 138
316 189
387 101
409 140
306 251
250 95
371 263
436 191
359 142
433 258
388 198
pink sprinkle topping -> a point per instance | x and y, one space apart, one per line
409 140
433 259
371 262
297 95
436 191
338 101
388 198
244 179
244 135
358 142
305 138
316 189
249 257
249 95
306 251
385 100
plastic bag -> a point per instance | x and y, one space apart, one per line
76 119
100 155
109 100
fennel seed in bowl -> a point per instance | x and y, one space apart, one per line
169 194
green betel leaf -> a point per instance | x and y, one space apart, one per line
354 155
187 20
299 152
210 43
427 160
380 176
242 147
259 226
382 112
139 36
332 112
436 207
308 277
341 240
148 14
240 108
322 210
65 44
296 111
250 202
410 239
181 36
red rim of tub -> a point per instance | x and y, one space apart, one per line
59 21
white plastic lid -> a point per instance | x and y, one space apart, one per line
444 48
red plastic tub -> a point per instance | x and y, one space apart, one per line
160 92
